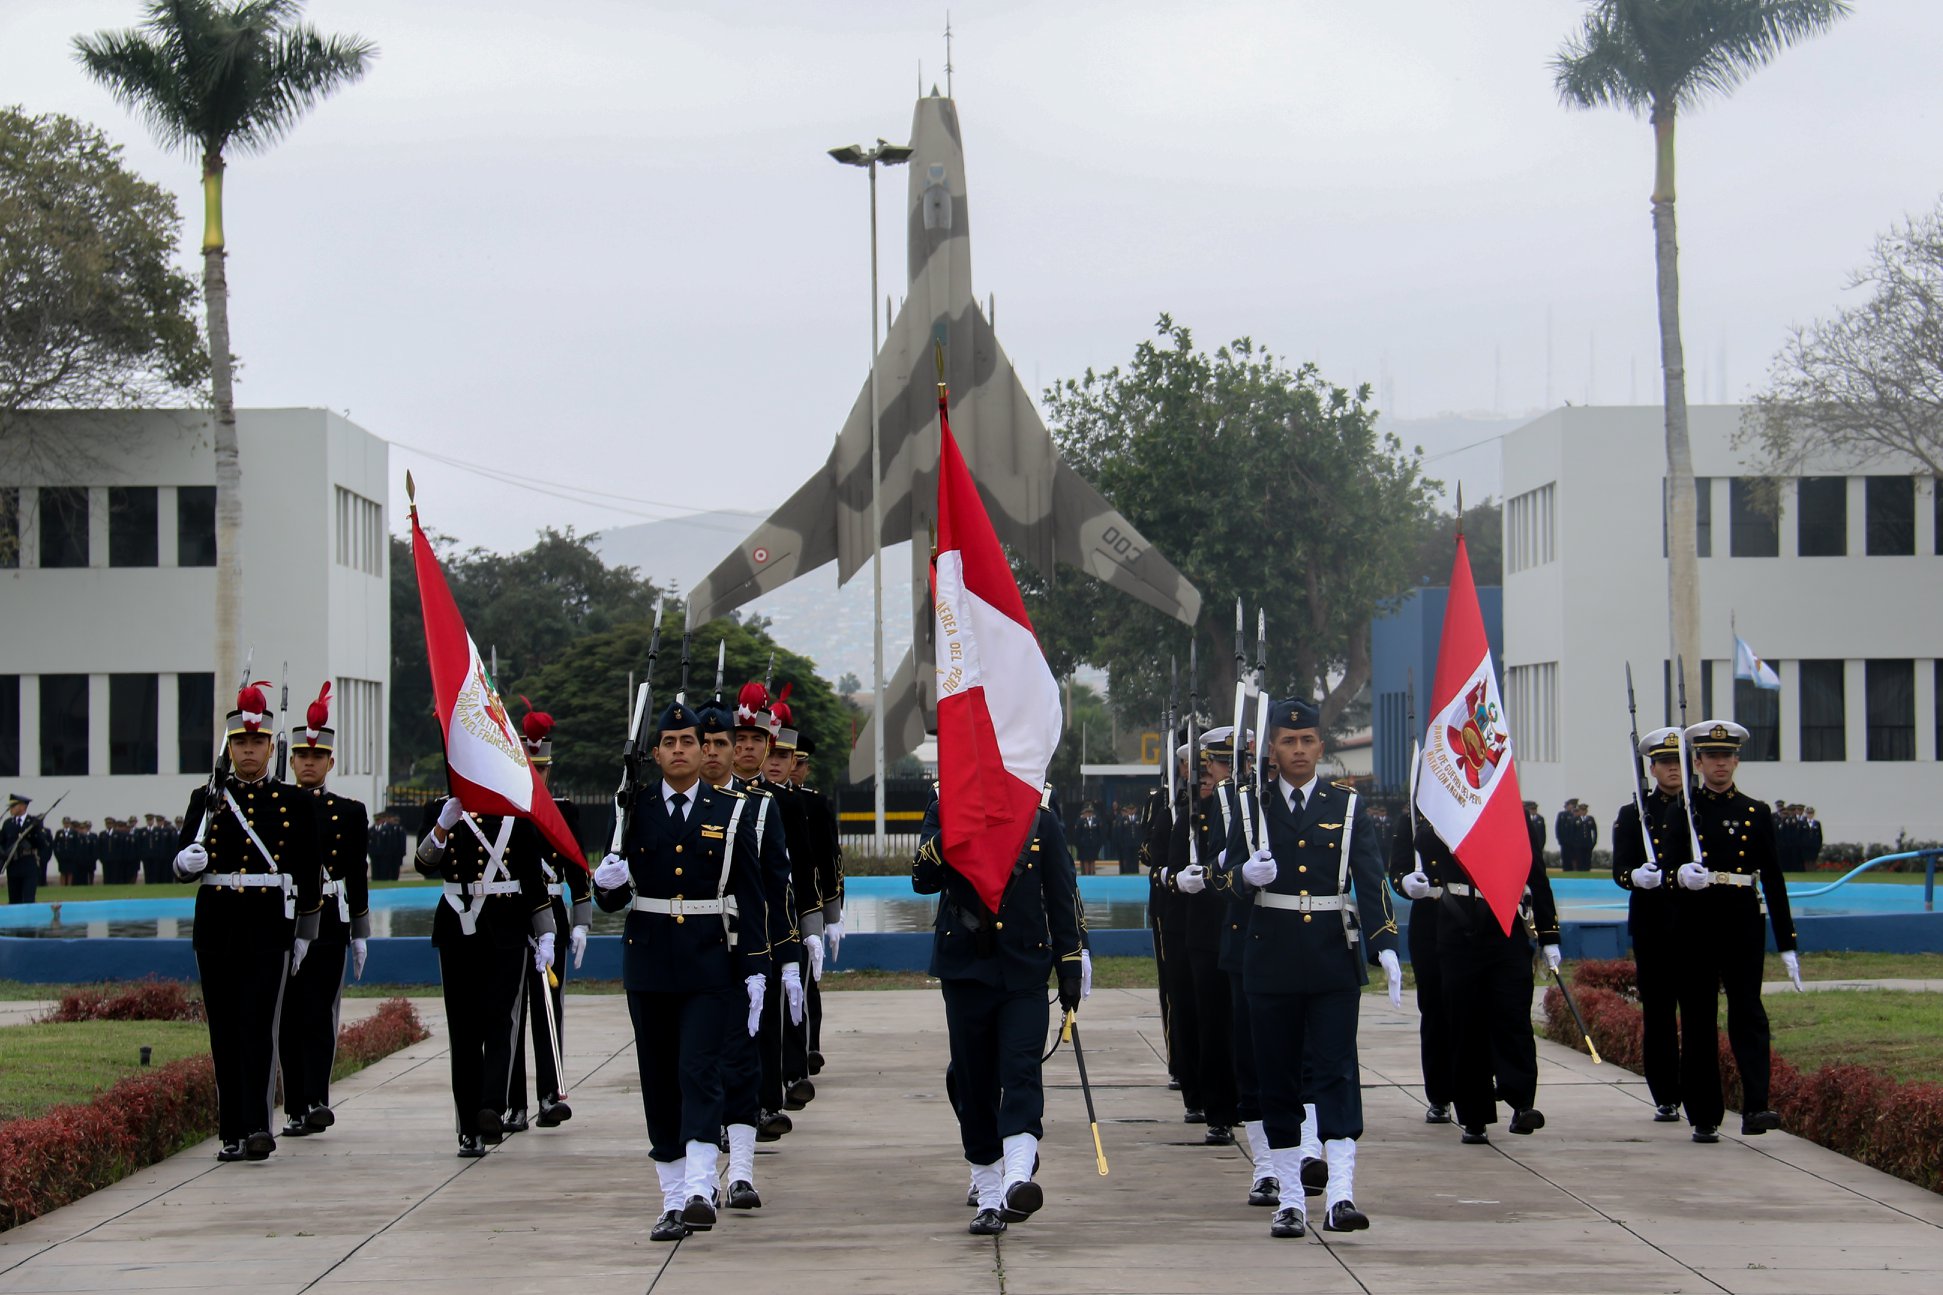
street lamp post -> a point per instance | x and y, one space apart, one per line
889 155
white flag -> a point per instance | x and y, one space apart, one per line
1752 668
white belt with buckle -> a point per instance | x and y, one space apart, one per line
556 890
1731 878
243 879
333 888
482 888
1459 888
675 907
1435 892
1300 903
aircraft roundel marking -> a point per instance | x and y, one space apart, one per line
760 555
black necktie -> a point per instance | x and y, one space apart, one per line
676 803
1295 800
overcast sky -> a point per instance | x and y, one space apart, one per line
600 244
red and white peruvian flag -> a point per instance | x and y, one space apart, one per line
998 705
485 764
1468 787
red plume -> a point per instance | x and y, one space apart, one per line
250 701
752 701
319 714
779 713
783 696
536 724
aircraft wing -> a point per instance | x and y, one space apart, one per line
794 540
903 723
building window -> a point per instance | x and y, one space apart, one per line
1703 516
1936 509
1891 516
9 526
360 533
1752 532
1824 711
131 723
64 725
1891 688
195 722
64 526
1938 692
195 526
1758 710
358 711
1822 519
1532 698
131 526
1531 538
9 726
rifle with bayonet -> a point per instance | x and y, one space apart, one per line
213 792
1193 749
1686 761
1239 765
1639 776
283 726
1256 771
687 637
721 660
634 750
27 832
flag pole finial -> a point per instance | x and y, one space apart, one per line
411 494
1460 510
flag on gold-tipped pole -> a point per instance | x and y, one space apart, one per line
485 764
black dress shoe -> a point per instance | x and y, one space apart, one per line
232 1151
319 1118
1022 1200
1666 1113
1706 1133
1173 1084
294 1127
1218 1135
744 1196
816 1063
492 1129
554 1112
971 1198
1288 1223
1474 1135
1759 1122
259 1145
699 1213
668 1227
1266 1191
514 1122
799 1094
772 1126
1530 1120
986 1223
1315 1175
470 1148
1194 1115
1437 1113
1343 1216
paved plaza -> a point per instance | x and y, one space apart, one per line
867 1195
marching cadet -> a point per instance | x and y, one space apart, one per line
692 952
1720 930
992 969
1183 1011
250 845
1650 917
307 1035
571 898
828 843
1319 910
749 735
1205 918
1155 829
1420 881
25 843
1487 986
806 884
742 1070
494 920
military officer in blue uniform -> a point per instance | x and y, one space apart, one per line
1319 911
1204 918
307 1039
1163 921
251 851
991 968
694 959
1720 928
1650 916
25 843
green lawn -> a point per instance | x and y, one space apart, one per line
46 1065
1861 966
79 894
1898 1033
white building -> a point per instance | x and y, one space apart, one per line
1839 592
108 589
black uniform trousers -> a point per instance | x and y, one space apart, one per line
796 1038
1183 1015
680 1041
1656 959
1487 992
242 994
997 1036
1725 954
1305 1052
770 1043
23 877
546 1075
481 981
1248 1093
307 1036
1213 1014
1435 1047
1160 983
812 1014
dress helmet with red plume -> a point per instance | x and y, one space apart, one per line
536 735
315 733
252 714
752 707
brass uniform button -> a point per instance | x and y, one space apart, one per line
1305 917
677 849
1300 844
999 925
1301 867
678 872
680 920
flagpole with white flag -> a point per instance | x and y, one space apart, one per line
1752 668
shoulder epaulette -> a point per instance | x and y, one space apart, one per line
1344 783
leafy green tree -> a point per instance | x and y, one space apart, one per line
95 313
1258 481
211 78
1660 57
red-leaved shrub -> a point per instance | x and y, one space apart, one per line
142 1000
1620 975
395 1025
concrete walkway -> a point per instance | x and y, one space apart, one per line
867 1195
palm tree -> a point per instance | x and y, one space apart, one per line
208 77
1658 57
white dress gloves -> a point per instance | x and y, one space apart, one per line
1191 880
612 874
543 953
577 941
1647 877
191 859
1693 876
793 991
1393 969
757 987
1416 885
1260 870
